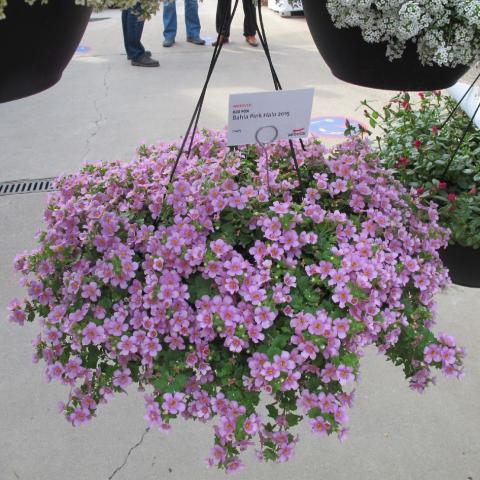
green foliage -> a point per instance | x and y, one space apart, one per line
413 142
148 7
198 287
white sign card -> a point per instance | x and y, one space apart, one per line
264 117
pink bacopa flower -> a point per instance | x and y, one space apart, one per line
319 426
270 371
16 312
127 345
344 374
57 314
56 370
342 296
122 378
73 368
80 416
93 334
230 284
91 292
173 403
218 455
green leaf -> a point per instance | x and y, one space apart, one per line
199 286
314 412
92 357
293 419
272 411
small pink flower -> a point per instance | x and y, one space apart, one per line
173 403
270 371
93 334
251 425
80 416
121 378
91 292
127 345
319 426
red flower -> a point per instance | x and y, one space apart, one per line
473 190
403 161
421 95
442 185
406 105
417 143
451 197
434 130
420 190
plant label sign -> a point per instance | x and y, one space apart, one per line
264 117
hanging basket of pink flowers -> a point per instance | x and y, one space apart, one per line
231 285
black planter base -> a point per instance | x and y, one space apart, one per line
36 43
25 84
463 264
353 60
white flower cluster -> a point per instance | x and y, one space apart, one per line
149 7
447 32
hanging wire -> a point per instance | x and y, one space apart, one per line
460 102
262 35
467 129
461 140
226 22
193 125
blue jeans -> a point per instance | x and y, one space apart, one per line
192 21
132 32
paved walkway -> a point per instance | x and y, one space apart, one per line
102 109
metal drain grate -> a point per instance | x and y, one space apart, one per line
17 187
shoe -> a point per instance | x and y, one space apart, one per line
196 41
168 43
148 53
145 61
251 40
222 40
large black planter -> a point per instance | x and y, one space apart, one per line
353 60
36 44
463 264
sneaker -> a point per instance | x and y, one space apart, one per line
196 41
251 40
168 43
145 61
222 40
148 53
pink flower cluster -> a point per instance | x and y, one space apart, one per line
233 283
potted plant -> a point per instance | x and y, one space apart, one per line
38 39
396 45
232 283
420 147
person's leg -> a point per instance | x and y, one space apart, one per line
133 38
169 22
250 21
133 28
124 29
192 21
224 7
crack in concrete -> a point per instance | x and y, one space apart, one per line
101 119
128 454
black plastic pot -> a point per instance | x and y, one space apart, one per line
463 264
36 44
353 60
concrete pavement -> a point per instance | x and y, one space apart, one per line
102 109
